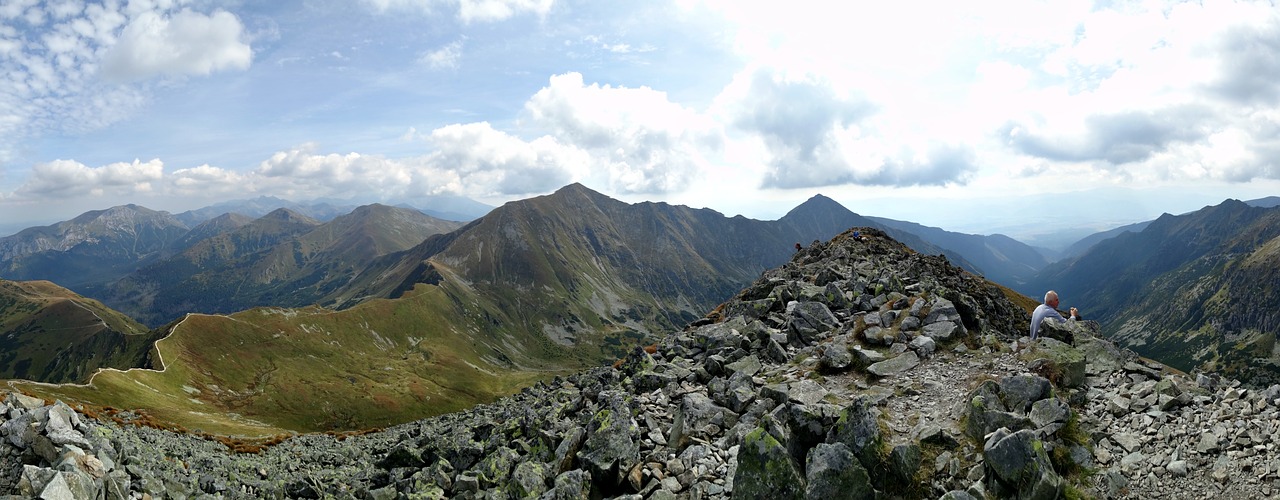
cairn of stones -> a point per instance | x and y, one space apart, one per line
860 369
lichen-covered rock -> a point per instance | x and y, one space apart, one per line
612 441
1058 361
834 472
766 470
1017 466
859 429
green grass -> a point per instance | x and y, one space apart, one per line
266 371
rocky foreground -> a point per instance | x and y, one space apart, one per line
858 370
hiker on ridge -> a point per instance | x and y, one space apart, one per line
1049 309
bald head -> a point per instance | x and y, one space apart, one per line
1051 298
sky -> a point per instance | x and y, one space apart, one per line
1020 117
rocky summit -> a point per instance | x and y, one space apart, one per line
860 369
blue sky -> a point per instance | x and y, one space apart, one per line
1015 116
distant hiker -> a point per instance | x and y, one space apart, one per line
798 247
1049 309
857 235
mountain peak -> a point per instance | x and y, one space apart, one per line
818 205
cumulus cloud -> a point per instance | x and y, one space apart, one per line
469 10
62 179
1249 63
1117 138
186 43
816 137
475 158
640 140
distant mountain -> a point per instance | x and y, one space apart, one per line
50 334
1082 246
95 247
1193 291
1000 258
282 259
1268 202
263 205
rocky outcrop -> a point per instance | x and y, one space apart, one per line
813 383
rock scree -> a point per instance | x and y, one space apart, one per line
860 369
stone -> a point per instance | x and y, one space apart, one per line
835 358
749 365
941 331
572 485
1062 364
1017 465
895 365
923 346
1178 468
1019 392
859 429
807 392
695 413
766 470
834 472
1050 414
611 446
866 357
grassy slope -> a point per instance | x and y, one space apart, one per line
265 371
49 333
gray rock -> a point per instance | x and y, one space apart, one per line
895 365
866 357
572 485
612 441
835 358
834 472
859 429
749 365
1017 465
1019 392
807 392
942 331
1178 468
766 469
923 346
1050 414
809 322
695 413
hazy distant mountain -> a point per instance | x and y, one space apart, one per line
94 247
282 259
1193 290
262 205
50 334
1268 202
1000 258
1088 242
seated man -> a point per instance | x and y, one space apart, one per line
1049 309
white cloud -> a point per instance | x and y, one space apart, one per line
469 10
187 43
641 141
477 160
61 179
443 57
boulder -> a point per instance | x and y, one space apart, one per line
859 429
895 365
834 472
695 413
809 322
766 470
1017 466
1058 361
612 444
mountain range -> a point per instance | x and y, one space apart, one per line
1195 291
415 317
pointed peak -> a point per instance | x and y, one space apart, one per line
818 204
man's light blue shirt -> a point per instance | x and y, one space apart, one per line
1042 312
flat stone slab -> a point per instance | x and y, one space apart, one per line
894 366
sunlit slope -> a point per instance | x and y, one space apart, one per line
51 334
269 370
